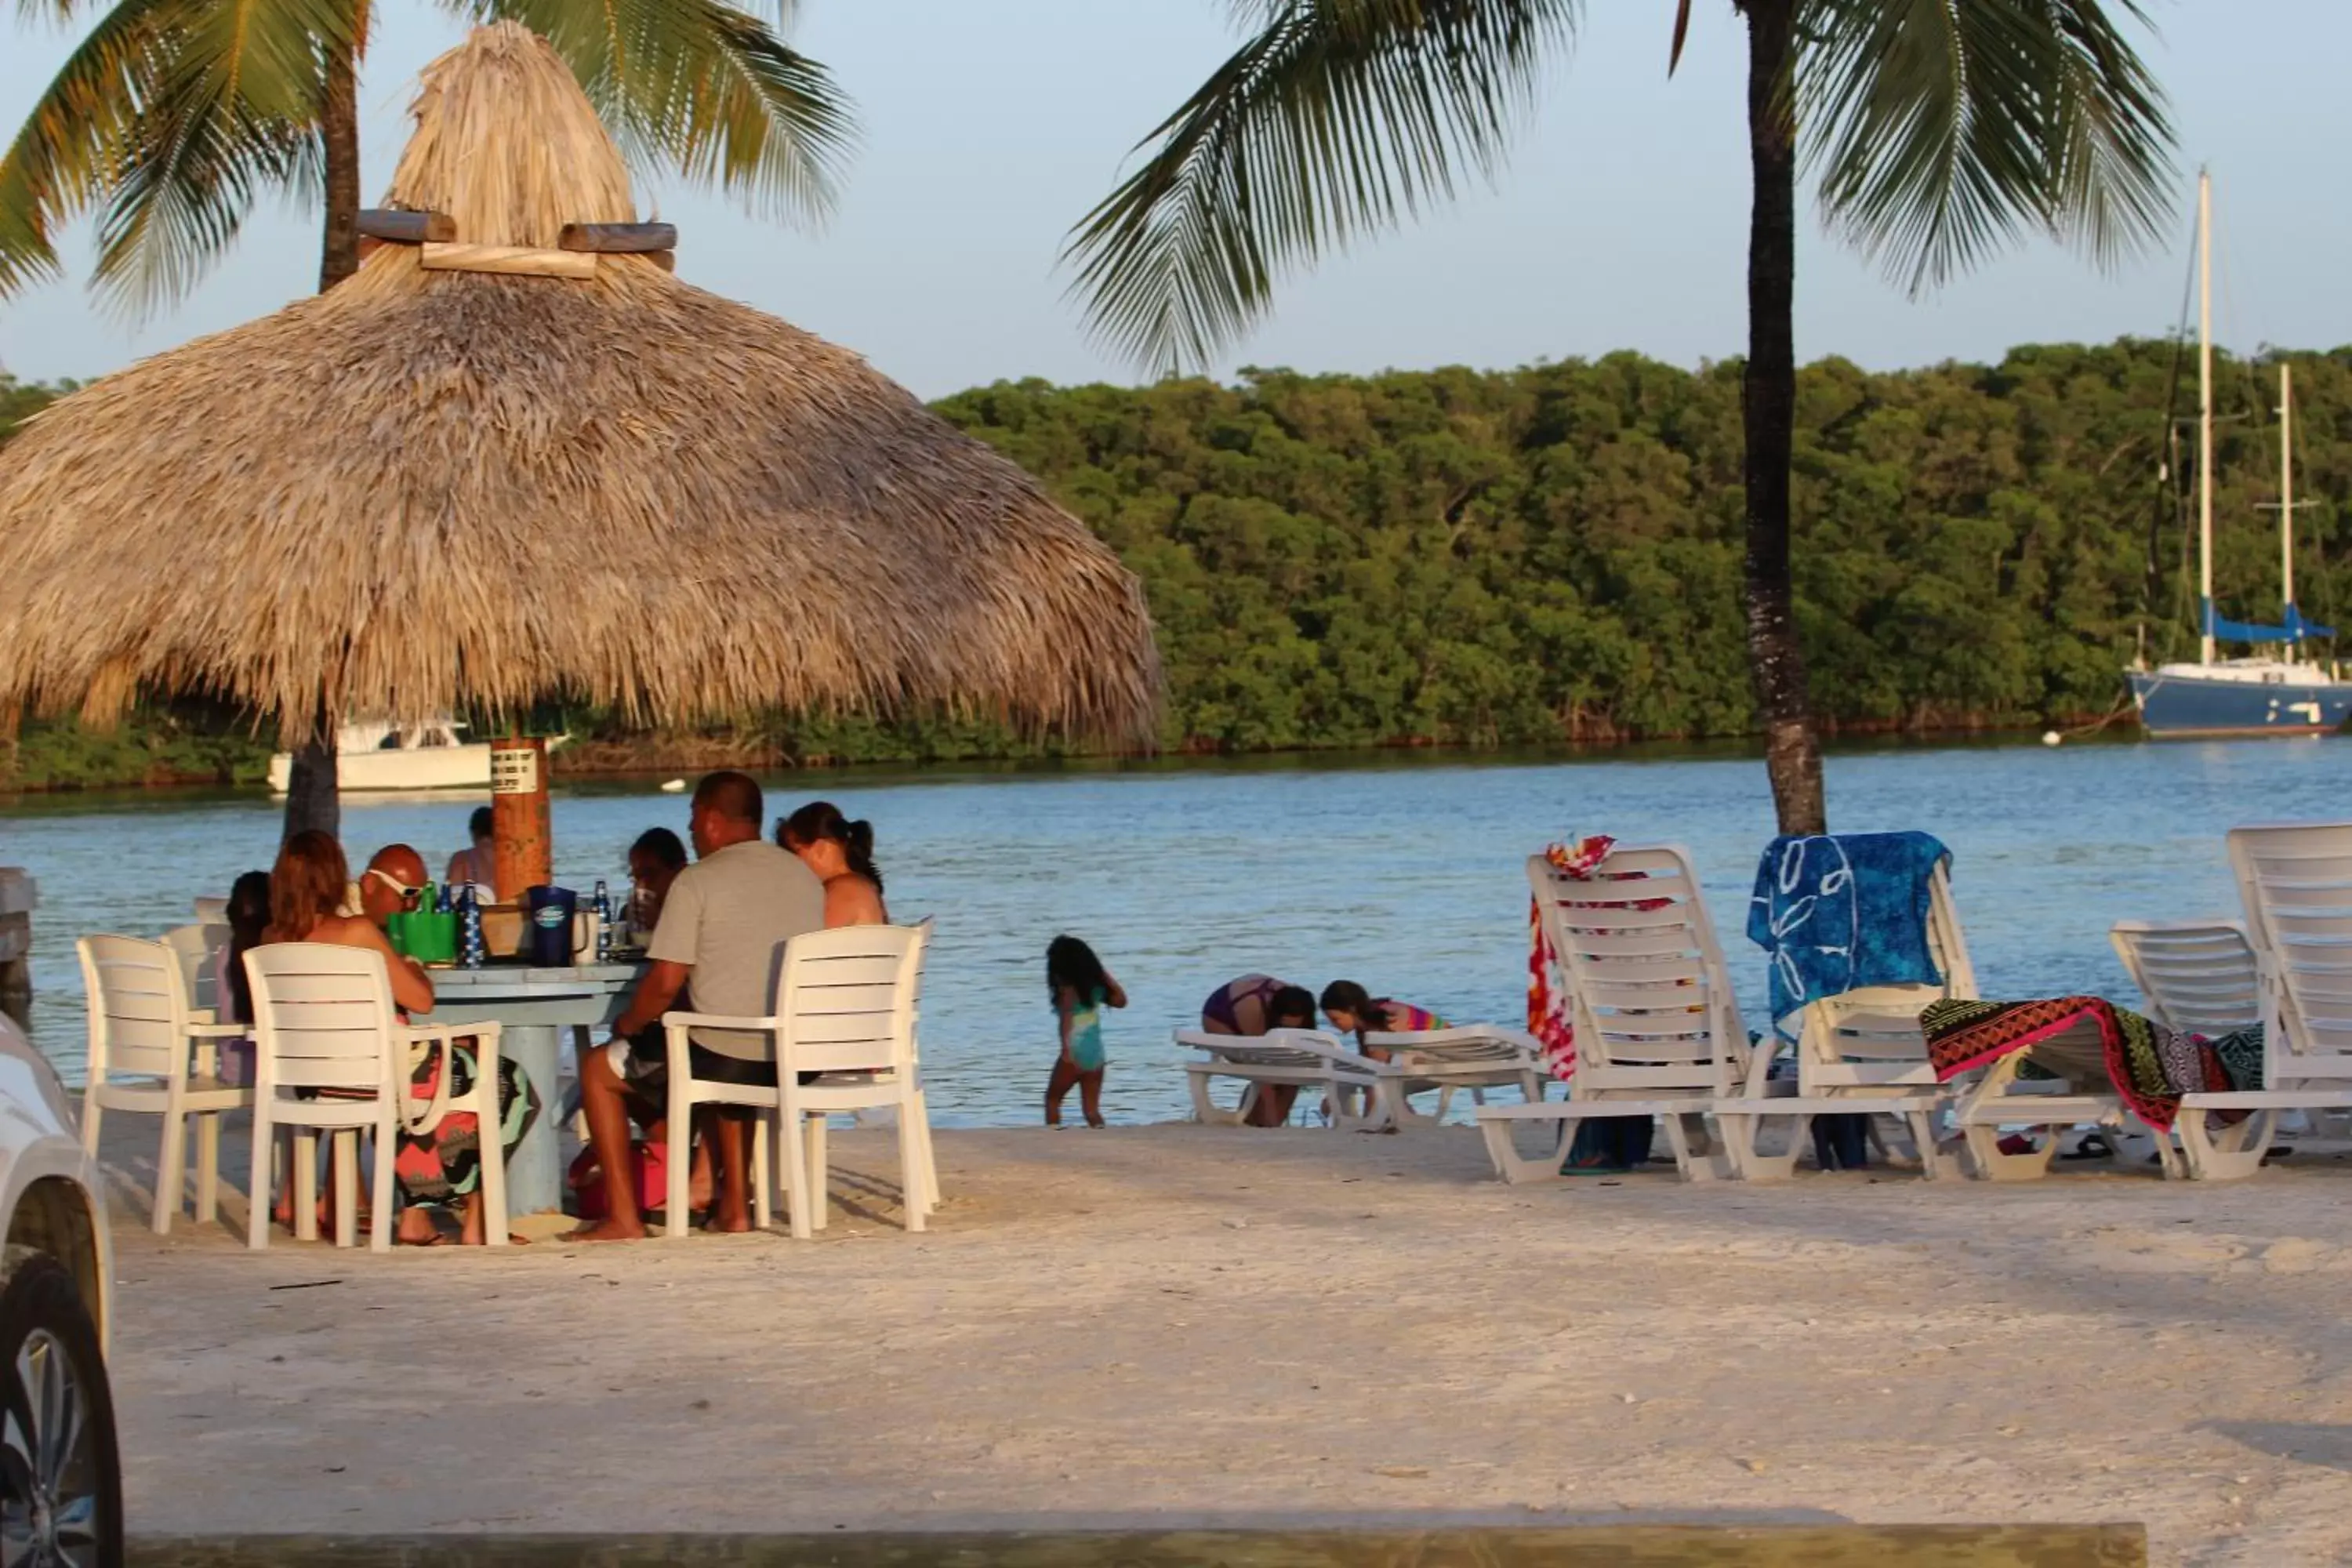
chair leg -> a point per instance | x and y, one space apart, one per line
1515 1168
677 1160
1206 1111
764 1174
171 1172
92 1109
1696 1156
1932 1159
304 1187
910 1168
1739 1133
346 1145
387 1147
932 1197
2236 1153
1988 1163
494 1163
820 1172
261 1177
208 1132
792 1155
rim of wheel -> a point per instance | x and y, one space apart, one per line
48 1474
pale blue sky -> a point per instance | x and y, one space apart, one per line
992 125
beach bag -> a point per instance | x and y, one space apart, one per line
587 1181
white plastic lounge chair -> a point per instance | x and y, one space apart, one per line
845 1009
1863 1052
2297 881
146 1046
2196 976
1657 1029
1474 1058
323 1019
1298 1059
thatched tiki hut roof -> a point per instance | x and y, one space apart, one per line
431 489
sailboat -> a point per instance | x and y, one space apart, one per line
2274 693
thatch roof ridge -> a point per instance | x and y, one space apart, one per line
431 489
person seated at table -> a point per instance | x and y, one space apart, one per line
1354 1011
476 864
655 861
841 853
1251 1005
442 1165
722 923
247 911
393 881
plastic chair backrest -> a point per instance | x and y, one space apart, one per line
322 1017
138 1023
1871 1035
845 1001
2194 975
2297 881
198 949
1652 1000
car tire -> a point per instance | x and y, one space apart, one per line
60 1468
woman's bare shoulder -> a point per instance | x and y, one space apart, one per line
851 900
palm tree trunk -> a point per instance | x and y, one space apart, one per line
1792 755
338 125
310 797
311 800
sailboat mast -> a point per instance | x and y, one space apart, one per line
2205 416
2287 498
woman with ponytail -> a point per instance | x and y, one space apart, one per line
841 853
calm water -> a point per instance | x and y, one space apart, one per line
1404 874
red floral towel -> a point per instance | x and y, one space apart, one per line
1548 1010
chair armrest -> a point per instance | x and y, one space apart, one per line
719 1021
486 1034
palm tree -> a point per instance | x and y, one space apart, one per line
173 117
1940 129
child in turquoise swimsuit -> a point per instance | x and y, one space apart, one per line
1081 989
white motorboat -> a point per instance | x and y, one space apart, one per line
381 757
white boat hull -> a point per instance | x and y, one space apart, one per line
425 767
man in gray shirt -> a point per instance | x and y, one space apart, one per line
722 929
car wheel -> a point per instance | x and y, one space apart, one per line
60 1473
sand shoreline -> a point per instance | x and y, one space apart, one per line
1187 1326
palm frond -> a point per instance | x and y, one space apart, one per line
1336 118
1943 128
707 89
229 113
67 154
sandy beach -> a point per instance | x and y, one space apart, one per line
1174 1325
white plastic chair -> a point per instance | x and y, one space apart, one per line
2197 976
1297 1058
1657 1029
144 1042
324 1019
2297 881
846 1013
1474 1058
1863 1052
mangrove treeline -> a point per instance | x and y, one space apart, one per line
1458 557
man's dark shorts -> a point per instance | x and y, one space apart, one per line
643 1062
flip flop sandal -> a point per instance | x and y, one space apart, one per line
2094 1146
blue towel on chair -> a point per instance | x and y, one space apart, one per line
1837 911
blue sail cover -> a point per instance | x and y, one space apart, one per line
2295 629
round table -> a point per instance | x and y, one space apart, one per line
533 1008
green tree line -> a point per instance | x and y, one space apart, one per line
1552 553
